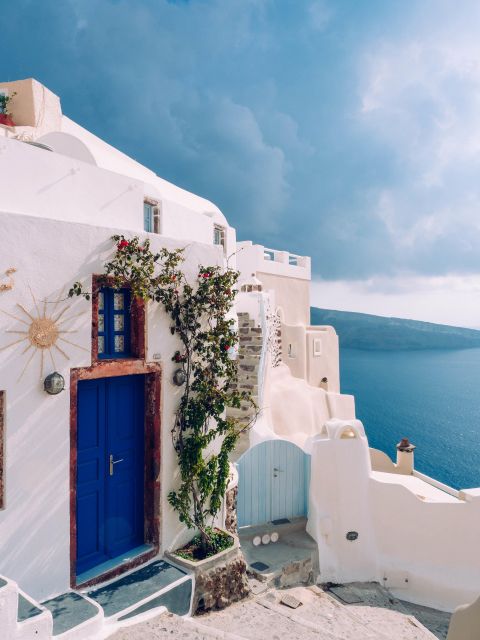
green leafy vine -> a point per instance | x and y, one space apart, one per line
203 437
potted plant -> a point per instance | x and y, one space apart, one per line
5 115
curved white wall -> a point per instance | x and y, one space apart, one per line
68 145
298 411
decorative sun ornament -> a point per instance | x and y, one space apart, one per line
42 333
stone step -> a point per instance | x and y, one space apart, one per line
253 396
249 331
250 339
158 585
22 617
71 611
264 617
248 386
234 412
248 368
251 348
245 407
247 379
33 619
246 324
249 358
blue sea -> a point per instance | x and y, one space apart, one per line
431 397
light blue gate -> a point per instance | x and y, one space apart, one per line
273 483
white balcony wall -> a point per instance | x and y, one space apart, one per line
276 271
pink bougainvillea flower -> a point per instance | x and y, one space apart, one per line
122 244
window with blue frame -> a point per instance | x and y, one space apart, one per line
114 323
148 217
151 216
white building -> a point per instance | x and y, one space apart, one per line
63 194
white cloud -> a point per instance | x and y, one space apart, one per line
420 99
424 98
451 299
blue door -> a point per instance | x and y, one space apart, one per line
110 468
273 483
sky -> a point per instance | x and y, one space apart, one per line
347 130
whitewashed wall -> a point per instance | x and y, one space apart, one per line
420 542
35 525
432 544
58 211
309 359
50 185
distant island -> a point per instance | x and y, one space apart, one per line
364 331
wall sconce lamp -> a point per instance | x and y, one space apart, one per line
54 383
179 377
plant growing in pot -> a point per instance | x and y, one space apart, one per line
5 115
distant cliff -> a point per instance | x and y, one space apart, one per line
364 331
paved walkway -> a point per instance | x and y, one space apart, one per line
376 615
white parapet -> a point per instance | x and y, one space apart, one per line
255 258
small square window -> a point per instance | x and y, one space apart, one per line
113 323
151 217
219 235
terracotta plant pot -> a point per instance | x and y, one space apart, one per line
6 120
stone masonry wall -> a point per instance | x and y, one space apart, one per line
221 585
248 363
231 510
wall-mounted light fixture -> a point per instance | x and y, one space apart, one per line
179 377
54 383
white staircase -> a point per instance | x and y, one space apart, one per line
156 587
250 341
21 618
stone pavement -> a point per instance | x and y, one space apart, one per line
376 615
